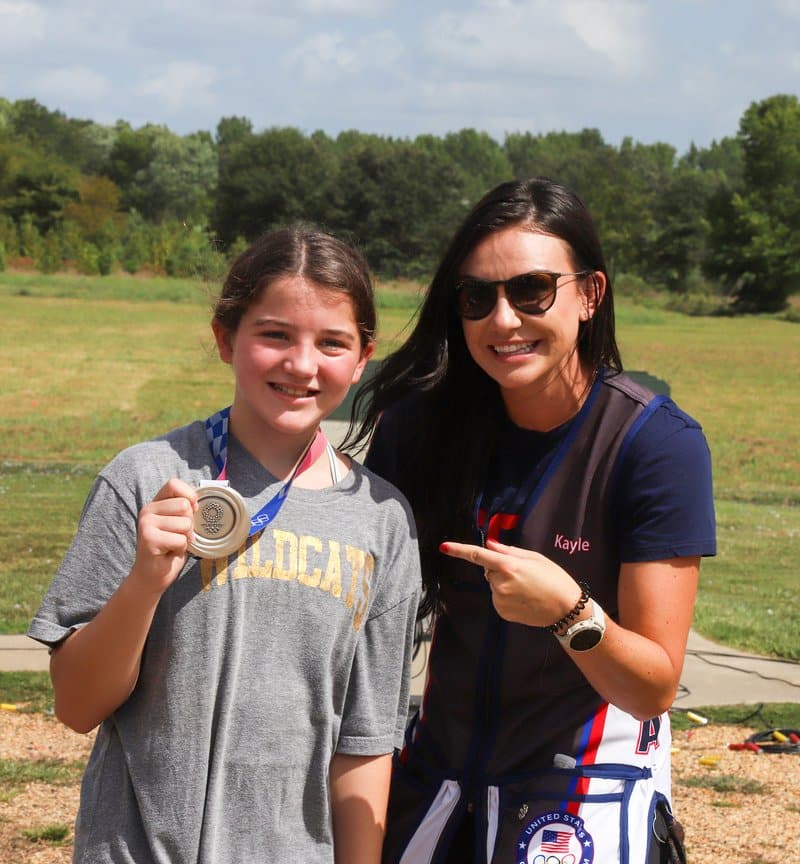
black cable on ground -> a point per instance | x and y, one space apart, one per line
777 741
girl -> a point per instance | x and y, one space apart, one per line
562 511
248 701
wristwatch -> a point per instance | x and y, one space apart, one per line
586 634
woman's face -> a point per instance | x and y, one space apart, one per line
533 358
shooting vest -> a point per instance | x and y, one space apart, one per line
508 729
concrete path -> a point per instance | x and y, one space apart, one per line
712 674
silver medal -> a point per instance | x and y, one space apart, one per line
221 523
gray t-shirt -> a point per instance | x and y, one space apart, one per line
257 668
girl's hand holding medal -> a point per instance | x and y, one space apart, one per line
165 530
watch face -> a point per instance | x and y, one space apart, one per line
583 640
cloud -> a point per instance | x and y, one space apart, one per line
564 39
22 24
182 85
73 84
358 8
326 57
615 29
791 8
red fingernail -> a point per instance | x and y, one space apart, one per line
443 547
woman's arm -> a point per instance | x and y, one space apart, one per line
359 797
96 667
638 663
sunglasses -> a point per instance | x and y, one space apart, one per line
529 293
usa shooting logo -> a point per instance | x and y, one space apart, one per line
557 837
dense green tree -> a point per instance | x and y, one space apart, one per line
231 132
402 201
50 258
680 234
98 195
78 143
131 153
163 175
755 248
180 181
483 162
34 184
9 235
723 159
30 238
274 177
6 109
581 160
97 210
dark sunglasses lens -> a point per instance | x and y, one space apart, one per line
531 293
476 299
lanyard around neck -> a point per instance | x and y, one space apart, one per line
217 434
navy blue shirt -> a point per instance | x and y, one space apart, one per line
663 503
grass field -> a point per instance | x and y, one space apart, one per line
91 365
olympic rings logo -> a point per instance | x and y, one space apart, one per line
569 858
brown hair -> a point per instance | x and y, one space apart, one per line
298 250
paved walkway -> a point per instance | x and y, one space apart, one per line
712 674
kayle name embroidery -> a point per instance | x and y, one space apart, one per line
571 546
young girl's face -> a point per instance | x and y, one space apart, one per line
295 354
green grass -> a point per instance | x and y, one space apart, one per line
116 287
15 773
92 364
774 715
29 691
725 783
53 835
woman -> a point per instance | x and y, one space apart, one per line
250 685
562 512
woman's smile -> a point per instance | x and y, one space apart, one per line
514 348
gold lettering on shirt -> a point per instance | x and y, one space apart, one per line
256 569
211 568
285 555
356 559
332 581
314 562
366 581
308 544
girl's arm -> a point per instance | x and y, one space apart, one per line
95 668
359 798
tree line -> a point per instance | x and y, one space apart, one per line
720 223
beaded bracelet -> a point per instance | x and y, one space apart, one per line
573 613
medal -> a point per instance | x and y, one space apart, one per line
221 523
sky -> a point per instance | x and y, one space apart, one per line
673 71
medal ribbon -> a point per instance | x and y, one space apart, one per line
217 433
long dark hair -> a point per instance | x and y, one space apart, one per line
444 467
